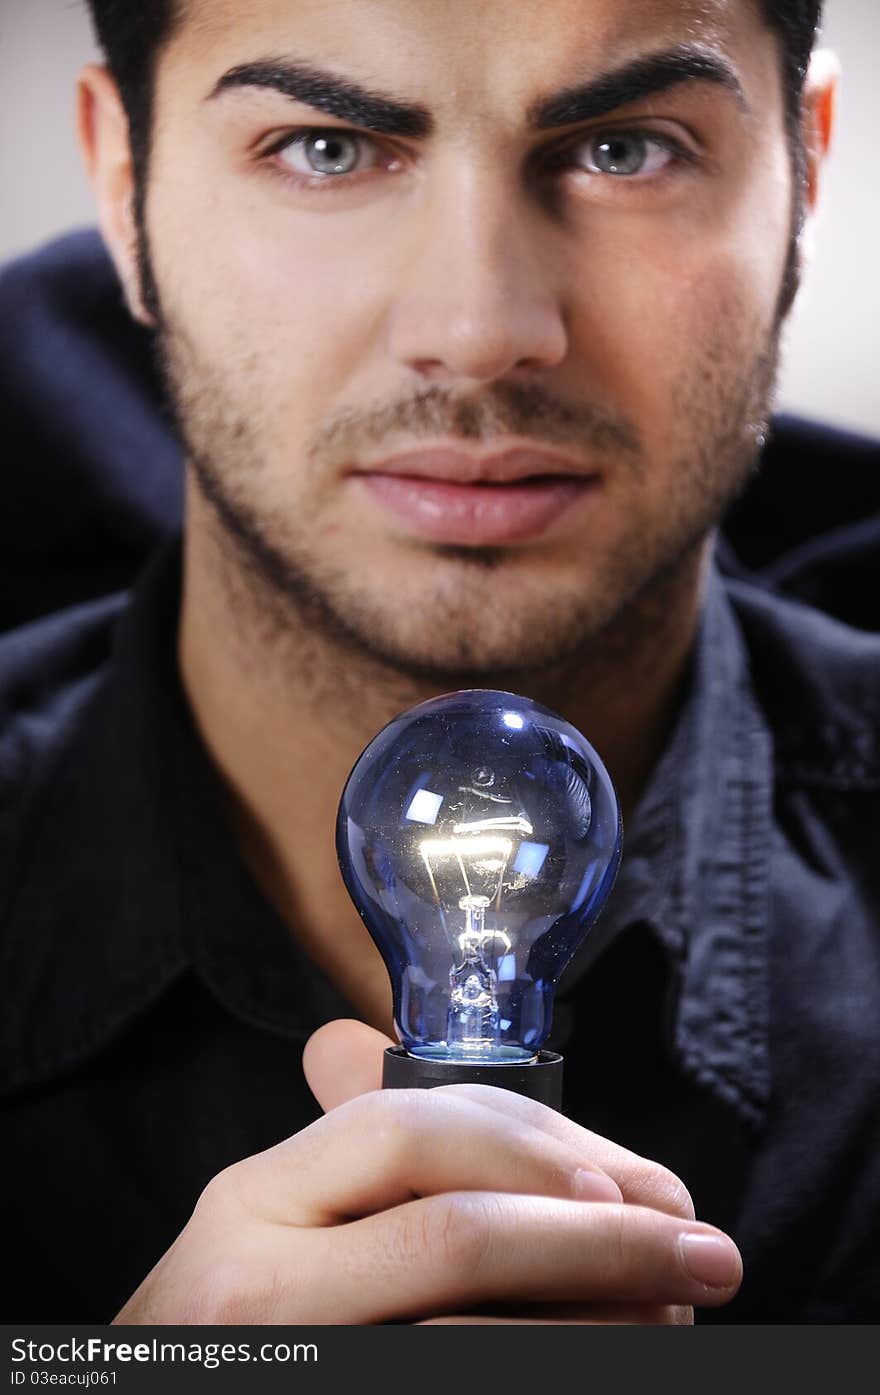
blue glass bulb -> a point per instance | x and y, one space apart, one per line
478 836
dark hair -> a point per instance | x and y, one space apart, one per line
133 36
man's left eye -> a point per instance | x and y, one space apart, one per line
627 154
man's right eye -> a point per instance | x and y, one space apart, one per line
327 153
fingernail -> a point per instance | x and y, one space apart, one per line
595 1186
712 1260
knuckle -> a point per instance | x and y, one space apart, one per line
660 1188
457 1230
618 1241
223 1192
631 1249
678 1200
400 1125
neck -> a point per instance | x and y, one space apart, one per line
284 715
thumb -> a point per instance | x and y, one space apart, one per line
344 1059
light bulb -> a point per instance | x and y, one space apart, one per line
478 836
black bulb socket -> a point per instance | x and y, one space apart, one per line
539 1080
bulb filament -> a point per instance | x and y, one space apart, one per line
473 1024
480 851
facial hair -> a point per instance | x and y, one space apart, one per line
480 619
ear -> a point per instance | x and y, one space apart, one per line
102 127
817 130
818 121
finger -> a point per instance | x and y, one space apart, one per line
343 1059
571 1315
642 1182
383 1149
507 1249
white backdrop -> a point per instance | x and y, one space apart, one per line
831 357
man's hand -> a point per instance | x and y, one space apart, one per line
463 1203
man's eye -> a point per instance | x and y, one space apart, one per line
627 154
327 153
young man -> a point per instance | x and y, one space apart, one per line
470 316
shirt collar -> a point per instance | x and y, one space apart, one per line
695 870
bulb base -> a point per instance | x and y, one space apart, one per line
539 1080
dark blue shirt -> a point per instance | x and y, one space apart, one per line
723 1017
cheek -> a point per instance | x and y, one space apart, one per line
682 313
729 288
660 290
299 293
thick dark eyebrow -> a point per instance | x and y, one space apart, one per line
644 77
376 111
335 96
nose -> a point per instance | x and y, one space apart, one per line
478 291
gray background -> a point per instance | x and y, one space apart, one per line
830 358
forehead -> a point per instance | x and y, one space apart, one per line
452 53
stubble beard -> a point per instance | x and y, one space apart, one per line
475 617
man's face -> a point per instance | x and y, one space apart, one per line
467 384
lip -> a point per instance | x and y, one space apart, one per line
517 463
476 515
454 497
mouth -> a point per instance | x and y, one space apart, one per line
450 496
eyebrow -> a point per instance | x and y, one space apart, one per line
376 111
644 77
335 96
